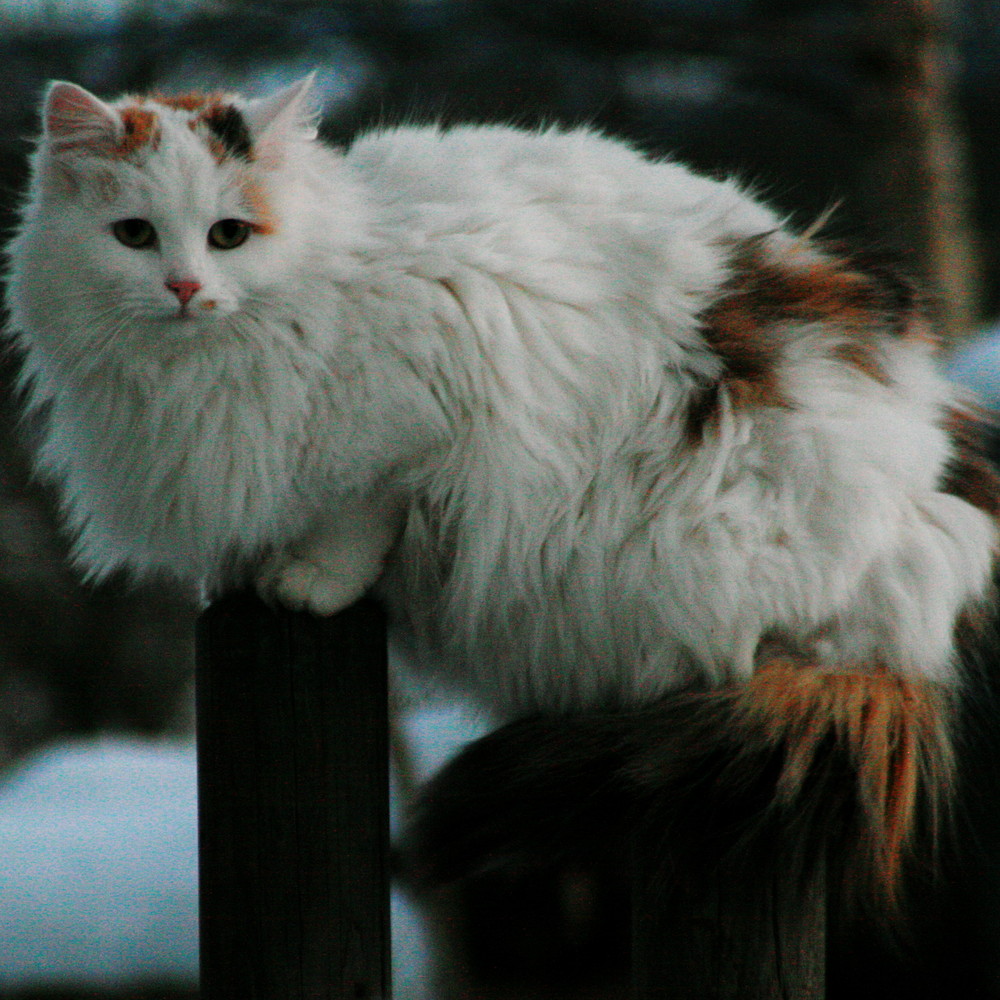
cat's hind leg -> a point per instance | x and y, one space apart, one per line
335 563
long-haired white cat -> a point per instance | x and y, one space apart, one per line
595 426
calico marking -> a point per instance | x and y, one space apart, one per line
765 299
229 135
794 767
141 128
739 327
229 129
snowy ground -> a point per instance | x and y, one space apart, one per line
99 864
977 365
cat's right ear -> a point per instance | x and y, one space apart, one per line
77 122
284 116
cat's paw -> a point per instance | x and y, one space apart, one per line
308 585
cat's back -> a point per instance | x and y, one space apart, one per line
577 175
568 217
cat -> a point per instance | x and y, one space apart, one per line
594 427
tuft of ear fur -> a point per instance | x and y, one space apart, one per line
286 115
77 122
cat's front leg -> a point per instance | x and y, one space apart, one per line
336 562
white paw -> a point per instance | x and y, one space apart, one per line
304 585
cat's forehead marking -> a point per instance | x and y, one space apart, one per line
140 128
228 131
213 117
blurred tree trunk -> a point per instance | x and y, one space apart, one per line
915 171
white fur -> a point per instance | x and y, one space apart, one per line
489 338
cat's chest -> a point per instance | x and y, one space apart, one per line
192 455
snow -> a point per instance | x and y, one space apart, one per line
99 866
99 863
977 365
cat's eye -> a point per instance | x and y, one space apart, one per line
227 234
134 233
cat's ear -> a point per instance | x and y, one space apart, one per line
76 121
289 114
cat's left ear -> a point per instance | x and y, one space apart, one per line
289 114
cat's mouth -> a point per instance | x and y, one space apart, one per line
191 312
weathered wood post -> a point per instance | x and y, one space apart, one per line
724 935
293 803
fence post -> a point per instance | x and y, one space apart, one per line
716 934
293 803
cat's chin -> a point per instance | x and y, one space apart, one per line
191 320
178 328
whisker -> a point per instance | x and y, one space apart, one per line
74 357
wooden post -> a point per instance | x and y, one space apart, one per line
293 803
719 933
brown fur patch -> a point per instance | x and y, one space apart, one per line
894 731
141 128
740 330
896 303
864 357
968 473
213 114
860 301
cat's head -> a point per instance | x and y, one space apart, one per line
170 213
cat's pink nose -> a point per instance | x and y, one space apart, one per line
184 290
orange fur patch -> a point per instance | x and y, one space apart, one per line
894 731
194 100
142 128
262 217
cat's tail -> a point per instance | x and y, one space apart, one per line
796 766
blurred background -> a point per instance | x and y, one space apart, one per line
886 109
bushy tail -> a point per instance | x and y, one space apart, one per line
794 767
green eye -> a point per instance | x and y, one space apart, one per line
226 234
134 233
